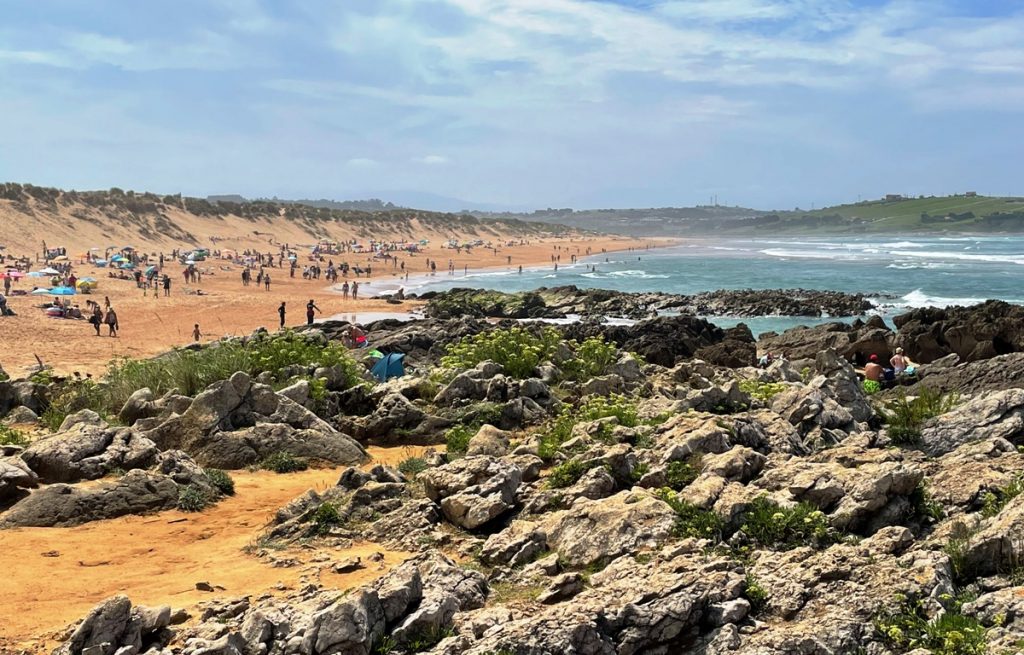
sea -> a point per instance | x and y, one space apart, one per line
897 272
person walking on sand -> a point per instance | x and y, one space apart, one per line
310 307
167 285
344 290
97 318
196 334
266 281
281 312
355 290
111 320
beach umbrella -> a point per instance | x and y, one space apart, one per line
49 271
61 258
127 265
150 269
117 258
56 291
100 262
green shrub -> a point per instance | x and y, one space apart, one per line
325 517
905 416
592 409
906 628
763 391
679 474
412 466
772 526
568 473
692 521
956 550
516 349
191 371
221 480
427 639
755 593
192 498
592 358
457 439
995 501
923 505
284 462
11 437
75 395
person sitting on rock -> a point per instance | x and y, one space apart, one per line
766 360
873 370
901 364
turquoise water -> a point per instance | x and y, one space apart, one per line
899 272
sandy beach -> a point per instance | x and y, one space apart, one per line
153 324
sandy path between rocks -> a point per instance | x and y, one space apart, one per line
54 576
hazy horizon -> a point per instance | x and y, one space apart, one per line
518 104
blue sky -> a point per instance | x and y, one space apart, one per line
524 103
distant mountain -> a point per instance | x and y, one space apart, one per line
957 213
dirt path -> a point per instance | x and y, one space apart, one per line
53 576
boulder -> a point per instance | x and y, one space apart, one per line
61 505
489 440
997 415
87 448
15 479
973 333
474 490
593 532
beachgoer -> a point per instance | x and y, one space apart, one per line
765 360
900 362
96 320
111 320
281 311
266 281
310 307
196 334
344 290
357 336
167 285
873 370
355 290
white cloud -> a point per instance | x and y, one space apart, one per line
362 162
432 160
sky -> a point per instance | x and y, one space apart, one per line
522 104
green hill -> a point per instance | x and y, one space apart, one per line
959 213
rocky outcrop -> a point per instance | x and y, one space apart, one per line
236 422
15 480
972 333
854 342
87 448
557 302
950 375
999 415
665 340
473 491
62 505
115 626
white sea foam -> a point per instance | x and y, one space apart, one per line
918 298
640 275
941 254
902 244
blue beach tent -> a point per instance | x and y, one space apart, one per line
389 366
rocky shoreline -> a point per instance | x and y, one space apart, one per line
559 302
597 489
